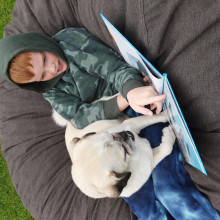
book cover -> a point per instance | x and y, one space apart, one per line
161 83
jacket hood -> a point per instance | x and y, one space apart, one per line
32 41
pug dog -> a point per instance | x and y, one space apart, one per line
108 157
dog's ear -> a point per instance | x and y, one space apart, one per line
89 134
122 180
71 146
75 140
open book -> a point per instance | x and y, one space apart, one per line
162 85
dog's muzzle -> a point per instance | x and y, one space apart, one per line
126 138
126 135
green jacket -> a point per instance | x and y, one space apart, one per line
94 71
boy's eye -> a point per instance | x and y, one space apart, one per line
43 56
43 76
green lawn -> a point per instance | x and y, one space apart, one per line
5 13
11 207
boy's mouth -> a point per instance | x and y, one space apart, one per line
60 66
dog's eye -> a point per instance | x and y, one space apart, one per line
108 145
115 138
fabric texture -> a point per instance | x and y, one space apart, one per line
180 38
95 71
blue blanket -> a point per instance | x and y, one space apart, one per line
169 193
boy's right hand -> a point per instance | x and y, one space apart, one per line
141 96
122 103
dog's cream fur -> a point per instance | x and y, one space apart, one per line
107 162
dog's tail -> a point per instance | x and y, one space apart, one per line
59 120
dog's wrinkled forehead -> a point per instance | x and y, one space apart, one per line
93 136
89 134
76 139
92 144
124 135
104 142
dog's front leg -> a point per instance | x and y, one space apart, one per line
138 123
166 146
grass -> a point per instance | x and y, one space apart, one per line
11 207
6 7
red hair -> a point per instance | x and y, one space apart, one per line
20 68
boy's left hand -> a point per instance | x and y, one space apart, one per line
141 96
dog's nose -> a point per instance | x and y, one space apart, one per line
131 135
125 135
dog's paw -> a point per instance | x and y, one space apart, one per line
163 116
168 138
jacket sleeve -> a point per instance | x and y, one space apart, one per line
80 114
104 62
98 59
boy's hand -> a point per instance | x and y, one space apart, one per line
122 103
141 96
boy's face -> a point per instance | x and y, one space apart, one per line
46 66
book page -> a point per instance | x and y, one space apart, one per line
184 139
133 57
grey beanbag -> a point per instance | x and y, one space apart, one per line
180 38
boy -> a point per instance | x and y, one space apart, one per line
73 69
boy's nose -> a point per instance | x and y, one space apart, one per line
51 68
